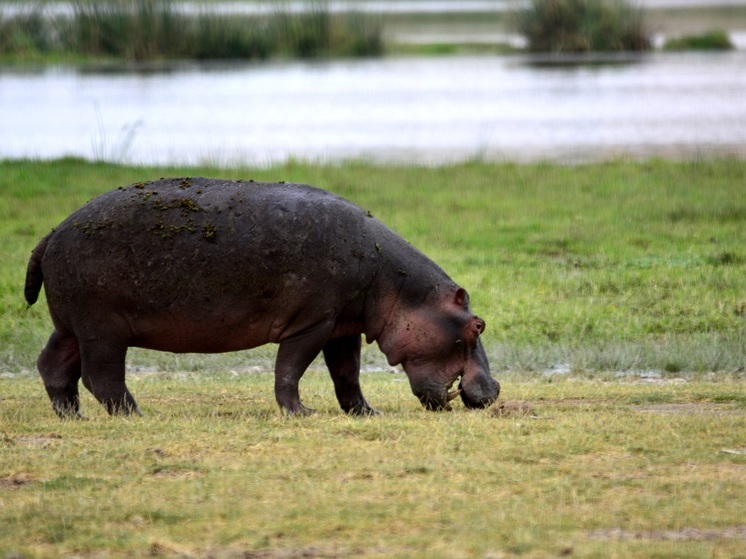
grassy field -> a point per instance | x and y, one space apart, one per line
633 267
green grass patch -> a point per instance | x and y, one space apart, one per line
449 49
711 40
622 469
620 266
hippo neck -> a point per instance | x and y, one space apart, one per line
402 286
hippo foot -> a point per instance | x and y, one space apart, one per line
299 411
66 410
119 408
70 415
363 410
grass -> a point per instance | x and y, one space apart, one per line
450 49
621 266
606 468
596 268
710 40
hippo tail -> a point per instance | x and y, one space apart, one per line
34 277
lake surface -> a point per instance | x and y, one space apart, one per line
369 6
431 110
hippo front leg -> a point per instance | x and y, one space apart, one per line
342 356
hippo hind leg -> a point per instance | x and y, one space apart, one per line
59 367
294 356
103 375
342 356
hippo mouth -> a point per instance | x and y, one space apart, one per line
453 394
476 388
473 382
438 399
478 398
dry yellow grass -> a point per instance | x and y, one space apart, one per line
611 468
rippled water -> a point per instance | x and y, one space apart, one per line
426 110
376 6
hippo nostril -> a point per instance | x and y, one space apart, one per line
477 326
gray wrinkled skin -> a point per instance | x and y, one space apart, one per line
206 265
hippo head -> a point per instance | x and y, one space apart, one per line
437 344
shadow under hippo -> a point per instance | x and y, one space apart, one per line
207 266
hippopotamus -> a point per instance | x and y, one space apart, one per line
205 265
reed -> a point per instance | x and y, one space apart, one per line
162 29
132 30
578 26
226 37
26 34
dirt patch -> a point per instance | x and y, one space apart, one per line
303 553
578 402
734 451
173 551
513 408
684 534
43 441
174 472
15 481
690 408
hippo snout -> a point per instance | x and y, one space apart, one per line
479 394
434 396
479 391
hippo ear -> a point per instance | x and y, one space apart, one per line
461 298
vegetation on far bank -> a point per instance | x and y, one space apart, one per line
710 40
135 30
576 26
621 266
158 29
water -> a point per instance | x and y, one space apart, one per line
431 110
368 6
